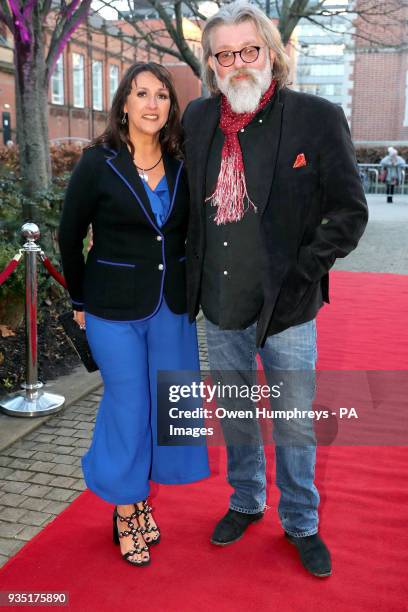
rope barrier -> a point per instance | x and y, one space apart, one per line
34 400
52 271
11 266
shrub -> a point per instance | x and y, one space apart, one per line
12 290
63 158
48 209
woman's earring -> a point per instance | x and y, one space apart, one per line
124 119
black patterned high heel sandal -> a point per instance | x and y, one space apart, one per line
147 527
131 531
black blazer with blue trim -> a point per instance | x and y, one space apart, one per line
133 262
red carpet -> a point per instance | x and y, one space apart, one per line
364 510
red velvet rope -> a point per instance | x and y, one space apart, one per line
54 273
9 269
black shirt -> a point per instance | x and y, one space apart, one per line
231 290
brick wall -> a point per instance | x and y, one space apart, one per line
67 121
379 75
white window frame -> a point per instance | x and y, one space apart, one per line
113 80
57 82
97 85
78 80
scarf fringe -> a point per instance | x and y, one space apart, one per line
230 193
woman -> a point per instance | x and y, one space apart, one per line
392 166
130 185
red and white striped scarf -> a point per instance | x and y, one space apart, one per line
231 190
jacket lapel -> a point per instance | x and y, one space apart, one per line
203 140
122 164
267 157
172 169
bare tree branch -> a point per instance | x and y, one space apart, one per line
144 33
290 17
70 20
5 15
194 8
377 17
182 44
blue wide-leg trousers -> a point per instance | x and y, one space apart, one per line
124 455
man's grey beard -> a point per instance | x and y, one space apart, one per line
244 96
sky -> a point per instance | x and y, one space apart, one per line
207 8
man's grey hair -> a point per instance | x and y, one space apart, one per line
235 13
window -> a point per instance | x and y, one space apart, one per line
324 50
321 69
78 80
310 30
322 89
97 89
113 81
328 29
57 82
327 70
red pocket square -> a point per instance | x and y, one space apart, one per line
300 161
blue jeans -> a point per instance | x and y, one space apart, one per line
292 349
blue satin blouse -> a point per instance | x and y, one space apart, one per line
159 199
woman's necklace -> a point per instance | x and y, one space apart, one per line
142 171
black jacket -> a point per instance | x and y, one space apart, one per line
133 262
308 216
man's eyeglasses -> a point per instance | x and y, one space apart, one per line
247 54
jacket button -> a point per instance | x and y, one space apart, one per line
159 238
160 267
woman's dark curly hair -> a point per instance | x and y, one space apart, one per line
116 132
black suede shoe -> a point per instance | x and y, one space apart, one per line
232 526
314 554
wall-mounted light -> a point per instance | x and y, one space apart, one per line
6 105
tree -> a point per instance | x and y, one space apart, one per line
34 61
167 36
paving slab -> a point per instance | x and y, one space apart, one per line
73 387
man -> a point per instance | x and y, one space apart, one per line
275 198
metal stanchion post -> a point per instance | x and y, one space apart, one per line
35 401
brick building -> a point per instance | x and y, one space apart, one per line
86 77
369 78
378 83
361 64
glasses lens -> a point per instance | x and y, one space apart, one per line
249 54
226 58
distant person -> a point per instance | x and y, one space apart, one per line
392 165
